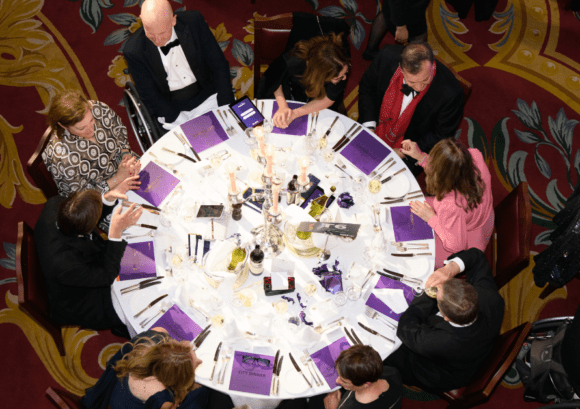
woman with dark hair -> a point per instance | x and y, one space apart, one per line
152 371
314 71
460 210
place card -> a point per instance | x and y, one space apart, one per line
365 152
138 261
204 132
252 373
324 360
297 127
409 227
178 324
375 302
156 184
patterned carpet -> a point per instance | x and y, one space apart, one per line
523 64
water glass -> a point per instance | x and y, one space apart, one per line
268 125
166 216
353 293
280 306
339 298
310 288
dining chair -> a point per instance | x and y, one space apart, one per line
63 399
511 239
465 85
489 376
38 171
32 295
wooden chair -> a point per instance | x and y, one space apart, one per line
511 239
63 399
32 296
465 85
488 377
38 172
270 38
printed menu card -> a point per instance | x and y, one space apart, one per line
325 358
252 373
138 261
156 183
178 324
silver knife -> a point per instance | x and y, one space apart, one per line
341 140
347 140
182 155
403 199
341 169
200 335
385 180
140 285
273 388
372 331
278 374
356 336
299 370
329 129
155 301
215 358
411 254
352 340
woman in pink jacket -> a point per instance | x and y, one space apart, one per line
460 210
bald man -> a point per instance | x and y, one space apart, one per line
179 69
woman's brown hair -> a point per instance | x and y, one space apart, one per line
68 108
80 212
169 361
325 58
451 169
359 364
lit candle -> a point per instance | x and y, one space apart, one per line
275 193
258 132
303 163
230 168
269 159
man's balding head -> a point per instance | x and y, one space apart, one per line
158 20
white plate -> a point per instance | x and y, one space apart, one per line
203 371
141 298
174 145
416 267
398 186
293 382
335 134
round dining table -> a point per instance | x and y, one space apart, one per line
254 331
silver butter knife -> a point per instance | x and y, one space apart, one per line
155 301
411 254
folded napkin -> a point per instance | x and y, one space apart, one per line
219 259
331 280
394 298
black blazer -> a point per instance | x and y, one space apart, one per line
78 271
205 57
444 357
438 114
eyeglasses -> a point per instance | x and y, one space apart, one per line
247 359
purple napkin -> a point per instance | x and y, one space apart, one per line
252 373
297 127
138 261
204 132
325 358
375 303
156 183
332 283
365 152
179 326
409 227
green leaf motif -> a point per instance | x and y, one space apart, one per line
364 18
476 137
10 250
528 116
91 14
8 264
130 3
117 36
224 44
516 168
106 4
577 162
500 143
333 11
124 19
243 53
556 199
313 4
349 5
542 165
7 280
562 129
543 238
234 71
357 34
527 137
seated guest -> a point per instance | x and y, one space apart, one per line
314 71
179 69
365 382
152 371
447 339
78 265
461 208
412 96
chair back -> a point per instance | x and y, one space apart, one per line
511 246
32 295
63 400
38 171
270 38
465 85
490 375
146 129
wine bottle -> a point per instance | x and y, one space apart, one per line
257 261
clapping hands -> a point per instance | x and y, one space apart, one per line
118 192
129 166
121 221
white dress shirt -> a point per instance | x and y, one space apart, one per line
406 101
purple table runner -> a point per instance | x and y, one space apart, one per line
325 358
297 127
365 152
138 261
178 324
252 373
204 132
375 302
156 183
409 227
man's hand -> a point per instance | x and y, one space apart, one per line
332 400
442 274
402 35
121 221
411 149
423 210
118 192
282 117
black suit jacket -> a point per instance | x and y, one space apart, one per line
205 58
438 114
441 356
78 272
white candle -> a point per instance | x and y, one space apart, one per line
259 134
230 168
269 159
275 193
303 163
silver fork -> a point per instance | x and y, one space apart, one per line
304 361
310 361
167 165
146 321
377 171
228 130
234 130
228 357
369 312
150 234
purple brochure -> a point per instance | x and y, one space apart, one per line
365 152
178 324
297 127
204 132
325 358
375 303
156 183
138 261
409 227
252 373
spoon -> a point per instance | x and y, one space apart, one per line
325 255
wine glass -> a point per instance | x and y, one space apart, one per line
268 125
358 185
310 288
339 298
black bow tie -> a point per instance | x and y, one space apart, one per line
408 90
165 49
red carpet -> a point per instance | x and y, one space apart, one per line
523 111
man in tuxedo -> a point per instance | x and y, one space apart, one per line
79 267
445 340
179 69
406 94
